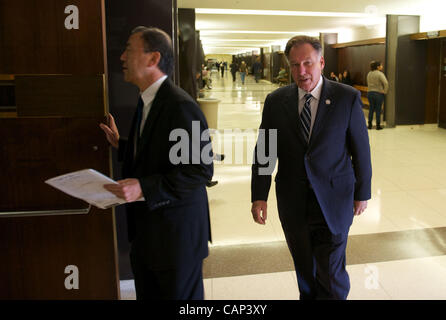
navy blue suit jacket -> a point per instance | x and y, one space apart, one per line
171 228
336 162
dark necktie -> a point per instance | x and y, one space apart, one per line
305 117
138 122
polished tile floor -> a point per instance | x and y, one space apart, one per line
396 248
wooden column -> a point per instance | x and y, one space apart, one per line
402 59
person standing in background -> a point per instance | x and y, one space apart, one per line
346 79
243 70
377 87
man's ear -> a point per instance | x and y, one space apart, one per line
322 61
154 59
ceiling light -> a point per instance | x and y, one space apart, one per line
282 13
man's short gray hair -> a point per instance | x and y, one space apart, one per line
300 40
157 40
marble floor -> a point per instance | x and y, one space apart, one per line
397 248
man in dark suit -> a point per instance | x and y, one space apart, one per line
169 230
324 173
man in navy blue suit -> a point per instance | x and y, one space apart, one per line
324 172
169 230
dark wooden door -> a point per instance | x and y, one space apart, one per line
53 96
442 103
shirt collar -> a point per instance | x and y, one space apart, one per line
149 94
316 92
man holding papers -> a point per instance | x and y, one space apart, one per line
169 231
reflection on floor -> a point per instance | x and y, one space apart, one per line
397 248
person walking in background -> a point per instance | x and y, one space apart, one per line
318 130
234 68
169 229
377 87
257 69
222 68
217 66
243 70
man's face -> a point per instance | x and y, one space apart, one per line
306 66
135 60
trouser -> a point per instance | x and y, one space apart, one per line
242 76
233 76
319 256
376 100
182 283
257 76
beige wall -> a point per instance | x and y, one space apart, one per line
220 57
362 33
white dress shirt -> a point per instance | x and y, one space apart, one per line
147 97
314 102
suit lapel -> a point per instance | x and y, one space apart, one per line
323 110
155 110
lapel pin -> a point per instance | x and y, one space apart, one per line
327 101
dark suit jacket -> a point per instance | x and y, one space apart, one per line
170 228
336 162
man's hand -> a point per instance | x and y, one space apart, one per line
258 211
111 131
128 189
359 207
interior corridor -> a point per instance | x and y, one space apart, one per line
396 249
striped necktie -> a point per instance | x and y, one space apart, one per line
305 117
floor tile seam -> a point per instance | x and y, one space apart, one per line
282 243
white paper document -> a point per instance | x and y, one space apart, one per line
87 185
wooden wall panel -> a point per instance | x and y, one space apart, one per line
42 148
188 51
410 81
60 95
34 40
432 80
55 132
442 106
330 54
357 60
35 251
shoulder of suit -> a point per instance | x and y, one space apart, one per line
176 94
280 92
342 88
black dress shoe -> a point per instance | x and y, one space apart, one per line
212 183
370 126
378 127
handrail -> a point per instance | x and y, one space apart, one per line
12 214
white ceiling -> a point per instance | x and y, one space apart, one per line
236 32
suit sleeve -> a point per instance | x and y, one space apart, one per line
121 149
358 140
184 178
260 175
